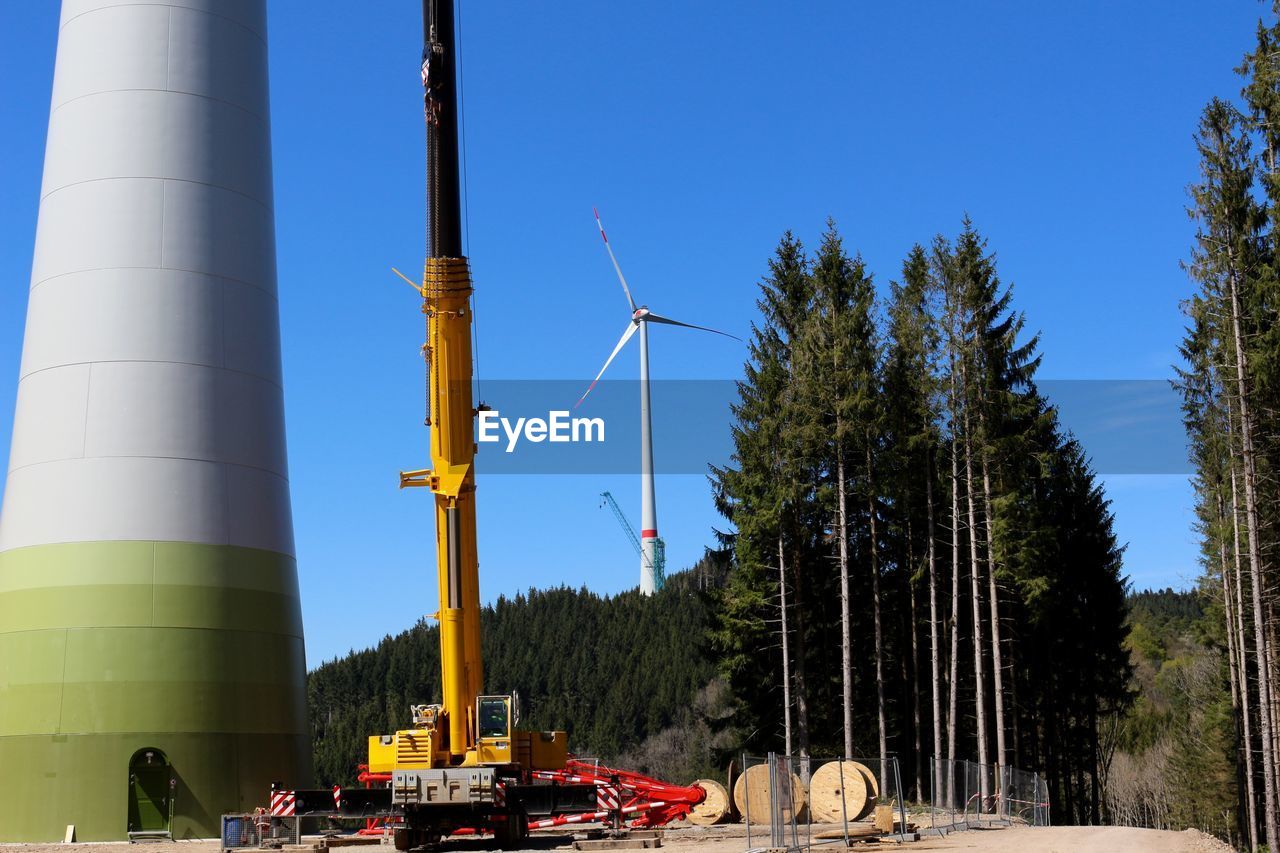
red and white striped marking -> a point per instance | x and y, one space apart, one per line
337 798
613 258
283 803
500 794
564 820
592 817
599 224
607 797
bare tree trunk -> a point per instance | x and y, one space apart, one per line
879 639
1273 678
1013 702
786 653
936 669
953 694
975 570
915 656
800 689
846 653
1255 568
1237 687
1243 664
997 666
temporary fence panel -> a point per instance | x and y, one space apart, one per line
965 795
806 801
256 830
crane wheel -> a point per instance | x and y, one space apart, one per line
416 839
512 833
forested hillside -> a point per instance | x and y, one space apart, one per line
1230 382
1172 756
626 677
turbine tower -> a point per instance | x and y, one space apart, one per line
641 317
151 655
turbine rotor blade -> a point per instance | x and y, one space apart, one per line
665 321
609 248
622 342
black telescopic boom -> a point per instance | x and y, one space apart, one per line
440 70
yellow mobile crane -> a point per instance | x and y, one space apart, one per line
463 767
463 764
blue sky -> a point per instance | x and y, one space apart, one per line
702 131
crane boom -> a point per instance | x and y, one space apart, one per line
446 292
659 566
622 520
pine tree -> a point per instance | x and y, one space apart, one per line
910 394
757 493
1227 264
836 360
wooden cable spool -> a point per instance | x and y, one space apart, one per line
715 808
873 782
754 785
873 788
841 790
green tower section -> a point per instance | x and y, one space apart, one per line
146 683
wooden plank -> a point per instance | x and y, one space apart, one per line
351 840
618 844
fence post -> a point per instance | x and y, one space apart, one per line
902 800
844 804
791 800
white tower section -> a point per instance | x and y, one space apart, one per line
150 626
648 496
150 405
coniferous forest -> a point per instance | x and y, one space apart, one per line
917 559
914 527
1230 385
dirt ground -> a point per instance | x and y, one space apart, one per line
732 839
1021 839
1075 839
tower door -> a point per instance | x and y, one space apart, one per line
150 793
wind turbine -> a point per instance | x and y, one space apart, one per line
640 319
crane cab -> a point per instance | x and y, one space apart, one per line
499 742
493 730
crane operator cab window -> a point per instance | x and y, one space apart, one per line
494 716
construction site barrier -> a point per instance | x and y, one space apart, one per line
260 829
809 801
967 795
795 802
